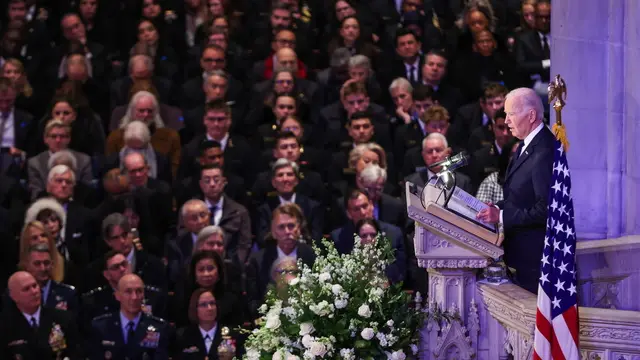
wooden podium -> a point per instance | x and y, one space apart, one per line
452 249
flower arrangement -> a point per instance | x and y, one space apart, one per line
341 308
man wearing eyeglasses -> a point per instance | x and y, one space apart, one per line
102 300
127 331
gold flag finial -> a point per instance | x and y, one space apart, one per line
558 92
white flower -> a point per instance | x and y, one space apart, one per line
307 340
318 349
253 354
292 357
263 309
390 323
382 339
347 354
308 355
341 303
306 329
367 333
377 292
336 289
323 308
414 349
273 322
398 355
324 277
294 281
278 355
364 311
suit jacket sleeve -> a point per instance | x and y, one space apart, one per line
316 222
174 154
396 271
264 221
244 239
85 173
514 216
253 285
524 62
36 181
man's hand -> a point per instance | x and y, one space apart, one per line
13 151
403 115
490 215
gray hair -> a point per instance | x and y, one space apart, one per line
146 60
218 73
44 204
39 248
527 99
283 163
60 170
401 83
359 61
357 152
340 57
191 203
137 130
64 156
372 173
435 136
113 220
128 117
207 231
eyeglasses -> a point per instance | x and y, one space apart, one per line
284 82
216 180
124 264
206 304
434 150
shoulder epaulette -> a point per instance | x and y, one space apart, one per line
92 292
152 288
103 316
67 286
158 319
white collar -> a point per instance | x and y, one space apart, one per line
35 315
217 205
293 254
211 333
527 140
497 147
416 64
284 201
131 258
223 142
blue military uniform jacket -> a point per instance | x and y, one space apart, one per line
151 340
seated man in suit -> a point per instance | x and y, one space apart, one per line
18 128
103 299
140 68
57 136
75 36
408 61
434 69
409 135
286 230
118 235
18 340
283 38
435 148
532 50
232 217
523 212
145 336
284 179
358 207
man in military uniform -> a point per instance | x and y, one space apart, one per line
129 332
102 300
118 235
30 331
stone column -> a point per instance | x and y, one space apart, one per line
596 48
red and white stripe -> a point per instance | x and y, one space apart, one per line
555 339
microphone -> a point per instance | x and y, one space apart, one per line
453 162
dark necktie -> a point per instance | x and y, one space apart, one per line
213 214
412 74
546 52
207 342
130 332
34 323
518 151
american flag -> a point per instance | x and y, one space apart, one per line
556 335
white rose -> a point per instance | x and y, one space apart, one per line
318 349
253 354
263 308
307 340
336 289
414 349
273 322
382 339
398 355
377 292
306 329
367 333
292 357
278 355
324 277
390 323
294 281
347 354
341 303
364 311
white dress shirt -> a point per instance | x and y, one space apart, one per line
211 333
35 315
8 132
414 71
217 215
292 200
293 254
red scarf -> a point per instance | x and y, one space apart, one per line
268 69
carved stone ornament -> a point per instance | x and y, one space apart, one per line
453 263
605 333
453 343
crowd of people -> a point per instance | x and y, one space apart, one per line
163 162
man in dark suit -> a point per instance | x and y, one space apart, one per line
408 63
129 333
284 179
30 331
523 212
55 295
286 231
217 122
232 217
359 207
140 68
411 127
102 300
435 149
532 48
17 129
434 70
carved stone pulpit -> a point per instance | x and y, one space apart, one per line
453 250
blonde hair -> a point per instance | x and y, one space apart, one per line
26 88
435 113
359 150
57 272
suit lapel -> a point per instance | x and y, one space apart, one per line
526 154
228 210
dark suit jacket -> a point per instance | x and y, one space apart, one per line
192 95
421 178
162 163
449 96
178 254
189 344
38 170
333 118
238 158
391 210
529 55
120 90
466 120
526 193
107 335
259 272
193 123
79 232
172 117
25 127
189 188
312 211
62 297
407 136
236 224
150 269
344 243
99 65
18 340
310 184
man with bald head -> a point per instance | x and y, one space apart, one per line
129 333
30 331
284 56
523 212
140 68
